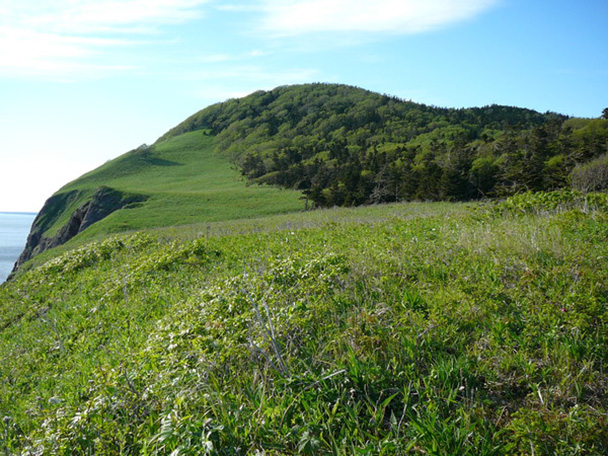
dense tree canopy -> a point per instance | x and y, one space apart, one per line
342 145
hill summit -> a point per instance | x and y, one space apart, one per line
342 145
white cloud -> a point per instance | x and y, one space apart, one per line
66 38
86 16
225 58
63 36
90 16
29 51
294 17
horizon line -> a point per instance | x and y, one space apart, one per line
19 212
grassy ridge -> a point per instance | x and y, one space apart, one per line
400 329
185 181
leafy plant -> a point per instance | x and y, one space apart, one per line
392 329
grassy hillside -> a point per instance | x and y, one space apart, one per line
231 322
186 182
178 181
395 329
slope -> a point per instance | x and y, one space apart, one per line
186 182
176 181
413 328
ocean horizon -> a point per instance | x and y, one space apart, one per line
14 228
18 213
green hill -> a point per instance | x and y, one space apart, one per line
184 181
332 145
346 146
166 306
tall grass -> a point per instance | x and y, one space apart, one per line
402 329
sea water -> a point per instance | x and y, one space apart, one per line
14 228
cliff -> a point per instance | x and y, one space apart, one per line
102 203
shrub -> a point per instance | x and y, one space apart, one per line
591 176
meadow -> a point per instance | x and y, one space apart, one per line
411 328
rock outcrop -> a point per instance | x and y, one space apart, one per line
104 201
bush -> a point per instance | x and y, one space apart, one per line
591 176
559 200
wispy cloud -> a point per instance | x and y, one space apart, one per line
295 17
30 52
227 58
65 36
75 38
93 16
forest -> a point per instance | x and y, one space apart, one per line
345 146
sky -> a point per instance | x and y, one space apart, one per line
84 81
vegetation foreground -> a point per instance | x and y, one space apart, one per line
400 329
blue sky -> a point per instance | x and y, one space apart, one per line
83 81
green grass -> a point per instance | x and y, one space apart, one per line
401 329
185 181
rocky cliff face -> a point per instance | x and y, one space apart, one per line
104 201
